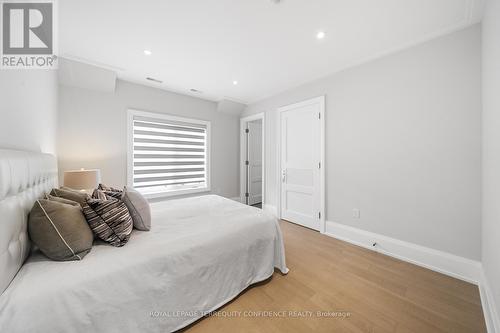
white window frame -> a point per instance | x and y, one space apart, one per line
164 116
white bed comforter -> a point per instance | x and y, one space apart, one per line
200 253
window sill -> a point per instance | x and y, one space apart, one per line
177 193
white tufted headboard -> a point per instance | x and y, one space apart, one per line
24 178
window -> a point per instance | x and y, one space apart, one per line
167 155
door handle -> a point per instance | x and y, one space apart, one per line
283 175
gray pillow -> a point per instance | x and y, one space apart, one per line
138 207
69 194
59 230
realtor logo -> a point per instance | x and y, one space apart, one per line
28 35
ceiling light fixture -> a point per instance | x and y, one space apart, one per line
196 91
320 35
235 83
147 52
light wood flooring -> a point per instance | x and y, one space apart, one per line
376 293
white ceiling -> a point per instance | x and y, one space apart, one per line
267 47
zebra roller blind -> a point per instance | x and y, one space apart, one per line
170 154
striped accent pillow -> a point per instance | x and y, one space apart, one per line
110 191
98 194
110 220
103 187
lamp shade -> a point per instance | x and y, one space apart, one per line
82 179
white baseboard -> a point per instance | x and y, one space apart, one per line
439 261
489 307
236 199
270 209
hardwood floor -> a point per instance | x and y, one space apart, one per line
373 292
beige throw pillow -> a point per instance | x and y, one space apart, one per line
69 194
62 200
59 230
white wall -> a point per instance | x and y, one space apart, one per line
491 151
403 143
92 131
28 110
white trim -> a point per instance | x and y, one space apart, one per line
243 122
130 144
87 61
458 267
323 165
157 195
238 199
488 304
321 101
270 209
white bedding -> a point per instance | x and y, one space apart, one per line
200 253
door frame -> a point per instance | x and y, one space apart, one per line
316 100
243 151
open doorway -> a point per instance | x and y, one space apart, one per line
252 161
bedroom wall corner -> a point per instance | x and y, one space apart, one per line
403 143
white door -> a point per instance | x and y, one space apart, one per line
255 162
301 146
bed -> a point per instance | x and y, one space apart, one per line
200 253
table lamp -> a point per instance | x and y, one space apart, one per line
82 180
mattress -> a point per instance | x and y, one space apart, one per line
200 253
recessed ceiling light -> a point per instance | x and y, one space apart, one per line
147 52
320 35
235 83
